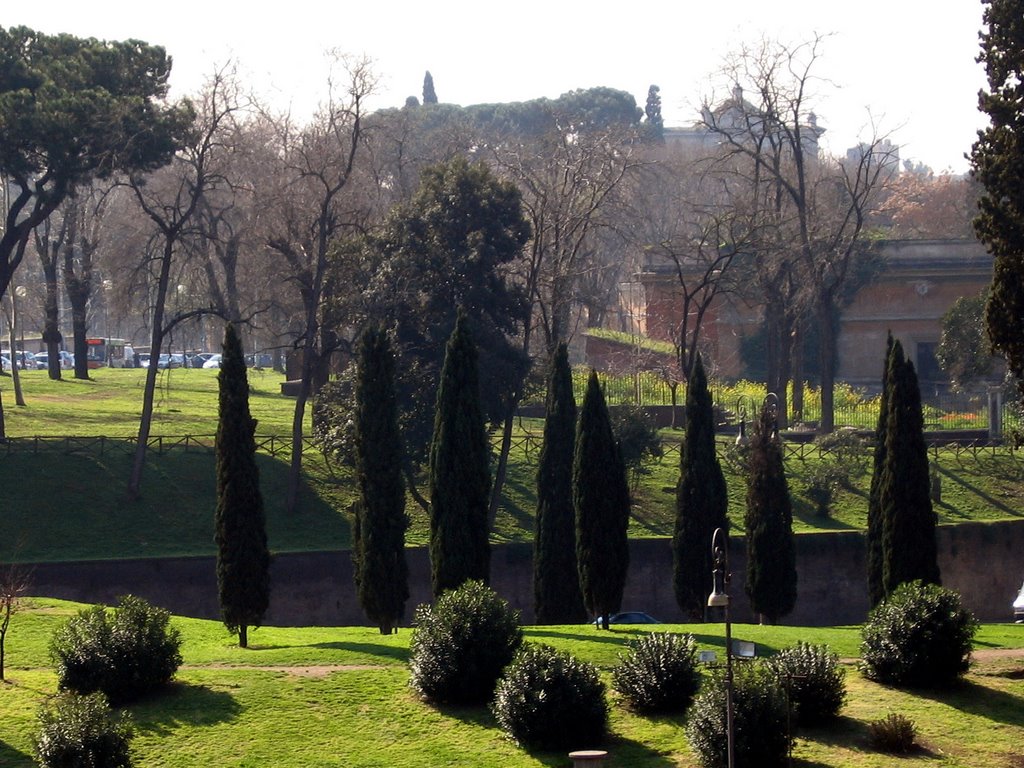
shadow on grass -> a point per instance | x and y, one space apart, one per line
621 751
9 756
370 649
614 635
981 494
981 701
183 705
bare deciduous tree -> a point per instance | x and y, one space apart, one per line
314 167
813 208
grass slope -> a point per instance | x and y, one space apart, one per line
323 696
64 499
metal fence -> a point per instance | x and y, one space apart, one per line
943 410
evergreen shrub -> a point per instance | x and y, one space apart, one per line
919 636
125 653
462 644
893 733
814 680
659 673
549 699
761 729
82 731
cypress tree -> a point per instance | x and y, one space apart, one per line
601 501
997 161
460 480
243 560
909 548
378 551
556 583
429 94
875 558
702 500
771 553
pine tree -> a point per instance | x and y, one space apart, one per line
378 551
997 158
876 525
909 547
602 505
460 480
702 501
243 560
771 552
429 95
556 583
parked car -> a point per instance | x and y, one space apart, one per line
629 617
25 359
213 362
42 360
5 362
144 360
197 359
1018 607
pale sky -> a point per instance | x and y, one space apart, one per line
907 64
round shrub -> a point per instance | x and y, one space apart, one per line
82 730
549 699
461 645
919 636
760 731
124 653
814 679
659 673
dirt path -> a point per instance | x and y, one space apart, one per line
298 670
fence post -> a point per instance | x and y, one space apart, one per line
995 413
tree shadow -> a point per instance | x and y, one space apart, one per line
968 696
369 649
9 756
183 705
616 636
981 494
621 751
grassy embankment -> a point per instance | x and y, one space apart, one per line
66 500
339 697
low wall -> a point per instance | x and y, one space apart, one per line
981 561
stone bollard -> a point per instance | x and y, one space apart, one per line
588 758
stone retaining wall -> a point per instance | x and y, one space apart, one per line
982 561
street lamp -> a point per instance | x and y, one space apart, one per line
741 409
719 598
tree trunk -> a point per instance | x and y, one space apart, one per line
243 636
149 390
826 361
305 387
12 326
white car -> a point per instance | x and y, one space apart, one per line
213 362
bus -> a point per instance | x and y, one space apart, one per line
106 352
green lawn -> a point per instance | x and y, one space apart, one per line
328 696
65 499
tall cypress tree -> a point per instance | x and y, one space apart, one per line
602 505
460 479
771 551
909 548
702 500
997 160
378 551
556 582
243 560
876 524
429 94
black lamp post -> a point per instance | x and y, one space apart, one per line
719 598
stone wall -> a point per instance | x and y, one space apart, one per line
981 561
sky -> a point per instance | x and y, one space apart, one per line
902 68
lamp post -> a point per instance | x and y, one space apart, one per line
719 598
